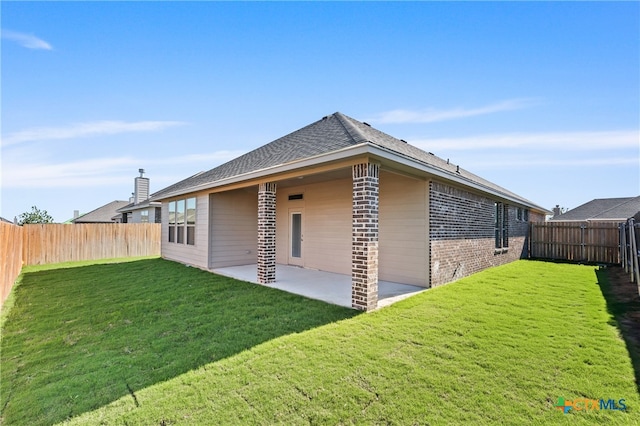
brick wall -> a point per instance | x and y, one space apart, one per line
266 233
462 234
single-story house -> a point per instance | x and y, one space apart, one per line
601 210
340 196
104 214
140 208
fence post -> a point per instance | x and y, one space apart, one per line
623 246
634 253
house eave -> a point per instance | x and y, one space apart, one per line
140 206
362 149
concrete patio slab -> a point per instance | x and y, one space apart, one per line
326 286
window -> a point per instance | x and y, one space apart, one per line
191 221
519 214
182 221
144 216
526 215
172 222
502 228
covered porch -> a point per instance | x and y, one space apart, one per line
326 286
369 234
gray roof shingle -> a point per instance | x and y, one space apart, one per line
331 133
101 214
603 209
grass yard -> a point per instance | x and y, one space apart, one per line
153 342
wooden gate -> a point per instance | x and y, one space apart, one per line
589 242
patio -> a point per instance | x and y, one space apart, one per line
326 286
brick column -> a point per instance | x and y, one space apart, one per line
266 233
364 246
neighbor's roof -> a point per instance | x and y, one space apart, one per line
603 209
101 214
331 134
142 205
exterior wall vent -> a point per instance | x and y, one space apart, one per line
296 197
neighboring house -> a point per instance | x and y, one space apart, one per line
601 210
343 197
104 214
140 209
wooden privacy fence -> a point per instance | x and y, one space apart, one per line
10 257
54 243
597 242
630 249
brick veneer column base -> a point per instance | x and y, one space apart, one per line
364 247
266 233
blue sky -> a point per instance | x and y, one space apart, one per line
541 98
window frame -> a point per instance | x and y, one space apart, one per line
182 221
501 226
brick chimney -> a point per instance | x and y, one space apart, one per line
556 210
140 188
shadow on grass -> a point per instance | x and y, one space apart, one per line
79 338
623 303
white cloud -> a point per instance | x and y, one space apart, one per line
538 163
86 129
562 141
432 115
26 40
217 157
21 170
82 173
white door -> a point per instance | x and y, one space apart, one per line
296 237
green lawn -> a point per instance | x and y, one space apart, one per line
153 342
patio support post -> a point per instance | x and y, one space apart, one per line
266 233
364 237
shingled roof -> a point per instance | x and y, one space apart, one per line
603 209
330 134
102 214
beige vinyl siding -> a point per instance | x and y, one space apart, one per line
234 228
195 255
403 222
327 225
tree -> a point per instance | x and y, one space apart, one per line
35 216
